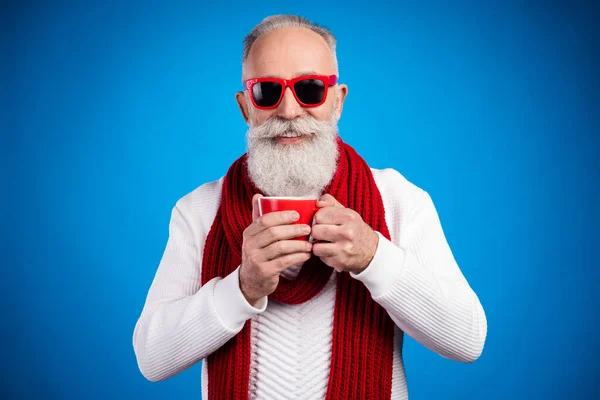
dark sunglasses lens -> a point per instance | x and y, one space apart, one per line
310 91
266 94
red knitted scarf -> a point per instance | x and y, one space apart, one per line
362 342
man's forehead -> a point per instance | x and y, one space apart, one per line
289 52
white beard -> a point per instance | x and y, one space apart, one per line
293 170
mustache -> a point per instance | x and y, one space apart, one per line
276 126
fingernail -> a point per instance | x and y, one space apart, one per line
294 215
306 229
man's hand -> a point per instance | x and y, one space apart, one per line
268 249
350 243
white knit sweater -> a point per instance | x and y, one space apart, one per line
414 277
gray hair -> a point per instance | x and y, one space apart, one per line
275 22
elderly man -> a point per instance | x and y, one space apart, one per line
277 318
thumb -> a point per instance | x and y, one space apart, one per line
255 210
328 200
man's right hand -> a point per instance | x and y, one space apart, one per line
269 249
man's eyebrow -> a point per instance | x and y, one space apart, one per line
305 73
296 75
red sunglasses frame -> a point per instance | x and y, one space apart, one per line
328 80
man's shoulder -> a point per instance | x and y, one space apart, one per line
392 183
400 196
203 200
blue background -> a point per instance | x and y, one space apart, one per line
110 118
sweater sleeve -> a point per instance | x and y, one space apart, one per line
183 322
423 290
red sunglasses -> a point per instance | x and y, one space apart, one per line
309 90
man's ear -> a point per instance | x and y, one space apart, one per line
339 101
243 104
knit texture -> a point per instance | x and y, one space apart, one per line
291 348
362 337
422 288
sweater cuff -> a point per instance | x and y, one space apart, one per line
385 268
231 305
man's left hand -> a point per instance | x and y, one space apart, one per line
348 243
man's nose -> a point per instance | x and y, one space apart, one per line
289 107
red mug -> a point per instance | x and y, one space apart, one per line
305 207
